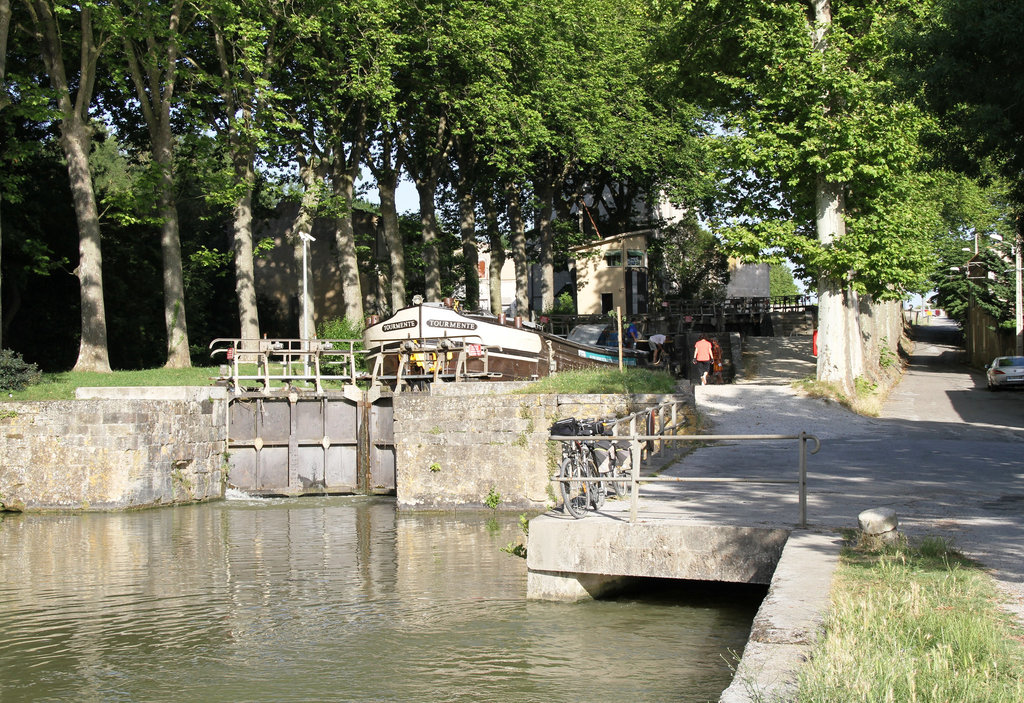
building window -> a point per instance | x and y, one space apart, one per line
607 303
613 258
635 258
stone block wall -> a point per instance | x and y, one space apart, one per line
453 451
133 448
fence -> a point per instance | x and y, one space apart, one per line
643 445
277 364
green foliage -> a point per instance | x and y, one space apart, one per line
434 467
793 117
886 357
15 373
341 328
689 261
970 70
518 549
780 281
493 499
564 305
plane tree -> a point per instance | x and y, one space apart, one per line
820 150
70 38
148 59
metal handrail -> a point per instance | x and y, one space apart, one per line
311 355
635 441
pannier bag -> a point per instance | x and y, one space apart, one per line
571 427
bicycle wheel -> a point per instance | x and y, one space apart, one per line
597 490
575 498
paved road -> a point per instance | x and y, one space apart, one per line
946 454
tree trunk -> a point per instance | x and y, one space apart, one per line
839 355
427 190
92 351
497 253
75 142
546 193
170 246
241 244
425 163
178 356
518 237
386 172
345 239
470 253
393 238
5 25
155 92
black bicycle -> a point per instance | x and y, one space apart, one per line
581 492
613 461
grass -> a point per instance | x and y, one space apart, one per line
914 623
61 386
867 398
604 381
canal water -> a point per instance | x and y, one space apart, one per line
333 599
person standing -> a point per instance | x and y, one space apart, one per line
657 345
702 356
716 362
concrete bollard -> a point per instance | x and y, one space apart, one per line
879 522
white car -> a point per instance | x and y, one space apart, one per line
1005 372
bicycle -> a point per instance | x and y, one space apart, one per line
578 463
614 460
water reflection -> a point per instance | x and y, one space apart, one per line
329 599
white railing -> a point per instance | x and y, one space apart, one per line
276 364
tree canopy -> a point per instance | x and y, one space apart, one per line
865 143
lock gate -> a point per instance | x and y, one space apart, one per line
291 444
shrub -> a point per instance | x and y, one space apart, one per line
15 373
343 328
340 328
563 305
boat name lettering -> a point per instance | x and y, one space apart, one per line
398 325
451 324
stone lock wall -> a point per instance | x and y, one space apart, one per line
452 451
122 448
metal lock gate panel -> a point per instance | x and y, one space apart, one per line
299 446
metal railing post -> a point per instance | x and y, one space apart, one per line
803 480
634 476
661 427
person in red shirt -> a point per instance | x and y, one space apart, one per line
702 356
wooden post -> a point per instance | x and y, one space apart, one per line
618 321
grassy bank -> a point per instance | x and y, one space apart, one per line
914 623
600 380
61 386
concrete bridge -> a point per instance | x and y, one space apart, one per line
736 532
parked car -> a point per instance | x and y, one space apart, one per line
1005 372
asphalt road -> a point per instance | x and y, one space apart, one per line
946 454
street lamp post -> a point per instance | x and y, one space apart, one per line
306 239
